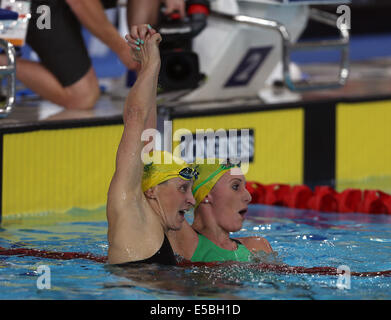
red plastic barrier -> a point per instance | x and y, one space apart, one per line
372 203
324 199
257 191
276 194
349 200
386 199
299 196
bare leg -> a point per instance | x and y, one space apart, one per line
83 94
140 12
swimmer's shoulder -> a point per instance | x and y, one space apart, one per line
255 244
125 244
127 224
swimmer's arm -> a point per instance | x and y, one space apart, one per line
255 244
125 206
140 104
124 213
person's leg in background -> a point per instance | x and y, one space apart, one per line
64 75
143 11
82 94
147 11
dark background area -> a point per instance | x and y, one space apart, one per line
367 17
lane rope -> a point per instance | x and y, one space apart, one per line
283 269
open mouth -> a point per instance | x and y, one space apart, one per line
243 212
182 212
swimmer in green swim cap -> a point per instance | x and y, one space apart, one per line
221 205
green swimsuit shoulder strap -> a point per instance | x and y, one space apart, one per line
207 251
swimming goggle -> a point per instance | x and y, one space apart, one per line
188 173
230 165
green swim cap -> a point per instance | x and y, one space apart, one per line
209 174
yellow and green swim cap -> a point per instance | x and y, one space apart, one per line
165 166
208 175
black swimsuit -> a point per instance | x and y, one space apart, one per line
165 255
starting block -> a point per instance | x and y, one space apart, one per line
245 42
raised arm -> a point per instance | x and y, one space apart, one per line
125 214
140 105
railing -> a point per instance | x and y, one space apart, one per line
9 72
288 47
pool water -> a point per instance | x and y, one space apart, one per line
299 237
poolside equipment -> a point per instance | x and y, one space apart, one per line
8 71
14 17
247 42
180 65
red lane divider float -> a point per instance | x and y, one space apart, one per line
323 198
278 268
51 254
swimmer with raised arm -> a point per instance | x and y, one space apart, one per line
145 201
221 204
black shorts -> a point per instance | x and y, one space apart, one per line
61 49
